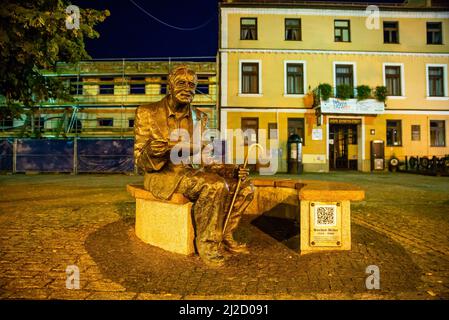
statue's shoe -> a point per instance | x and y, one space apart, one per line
235 247
216 260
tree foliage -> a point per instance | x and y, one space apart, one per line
33 37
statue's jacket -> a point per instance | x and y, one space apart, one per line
156 121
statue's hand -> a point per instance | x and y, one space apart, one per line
158 147
243 173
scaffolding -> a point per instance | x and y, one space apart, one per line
105 95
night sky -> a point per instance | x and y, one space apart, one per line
129 32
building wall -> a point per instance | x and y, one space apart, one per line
319 52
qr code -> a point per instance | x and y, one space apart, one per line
325 215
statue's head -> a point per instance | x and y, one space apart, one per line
182 83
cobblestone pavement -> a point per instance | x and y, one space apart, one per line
48 222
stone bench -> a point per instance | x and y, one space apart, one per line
324 213
164 224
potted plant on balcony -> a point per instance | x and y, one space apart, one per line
344 91
381 93
325 91
308 99
363 92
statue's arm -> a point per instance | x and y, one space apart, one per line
148 148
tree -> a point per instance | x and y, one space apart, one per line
34 36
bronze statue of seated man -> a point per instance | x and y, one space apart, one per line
209 187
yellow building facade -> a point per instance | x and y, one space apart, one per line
272 57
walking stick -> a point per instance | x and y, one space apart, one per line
237 188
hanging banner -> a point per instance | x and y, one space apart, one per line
352 106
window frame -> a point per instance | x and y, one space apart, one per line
390 32
304 78
134 86
401 79
440 30
444 133
259 79
255 26
418 126
445 82
108 79
299 29
400 144
342 28
354 73
105 126
303 136
245 138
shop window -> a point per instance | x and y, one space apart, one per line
394 133
437 133
248 29
293 29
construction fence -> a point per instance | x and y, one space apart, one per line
68 155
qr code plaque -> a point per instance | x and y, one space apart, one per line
325 215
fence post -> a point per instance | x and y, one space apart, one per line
75 155
14 156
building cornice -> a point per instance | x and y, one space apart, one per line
339 52
339 12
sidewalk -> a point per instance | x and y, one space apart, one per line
48 222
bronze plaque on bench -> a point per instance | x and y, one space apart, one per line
325 224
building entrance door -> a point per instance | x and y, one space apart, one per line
343 148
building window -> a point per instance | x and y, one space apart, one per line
436 81
272 130
248 29
295 78
252 125
137 85
164 85
437 133
203 85
391 32
416 132
342 31
344 74
105 122
130 123
394 133
75 86
434 33
296 126
293 29
250 78
393 80
106 86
